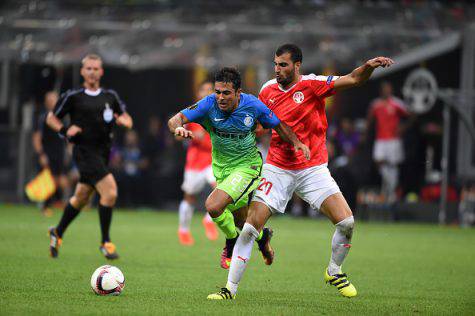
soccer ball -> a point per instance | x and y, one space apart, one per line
107 280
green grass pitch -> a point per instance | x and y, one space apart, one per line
397 268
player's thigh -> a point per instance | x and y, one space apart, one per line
379 153
275 188
107 186
395 152
315 185
217 201
336 208
239 183
193 182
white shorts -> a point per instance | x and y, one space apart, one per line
277 186
391 151
195 181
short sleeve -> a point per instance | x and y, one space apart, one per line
64 105
198 111
118 106
265 116
323 86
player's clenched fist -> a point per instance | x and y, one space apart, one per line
380 62
181 131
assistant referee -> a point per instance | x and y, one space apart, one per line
92 111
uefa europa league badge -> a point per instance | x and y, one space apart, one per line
108 114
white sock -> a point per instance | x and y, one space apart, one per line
341 244
207 218
241 255
185 213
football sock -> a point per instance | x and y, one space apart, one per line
225 222
185 213
341 244
241 255
105 218
69 215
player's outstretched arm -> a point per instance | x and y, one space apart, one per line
288 135
175 125
124 120
361 74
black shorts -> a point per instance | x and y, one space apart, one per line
56 162
92 163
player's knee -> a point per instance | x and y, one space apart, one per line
213 208
78 201
109 197
346 226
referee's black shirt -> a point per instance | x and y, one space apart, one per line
93 111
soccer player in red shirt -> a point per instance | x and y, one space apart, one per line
299 101
198 173
388 151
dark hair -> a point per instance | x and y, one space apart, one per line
228 74
294 51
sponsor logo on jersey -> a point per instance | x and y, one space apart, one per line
329 80
248 121
108 114
298 97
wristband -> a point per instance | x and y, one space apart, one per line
62 131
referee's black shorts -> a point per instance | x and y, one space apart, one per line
92 163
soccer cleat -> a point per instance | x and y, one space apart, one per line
342 284
223 294
108 250
185 238
227 253
264 246
210 229
54 242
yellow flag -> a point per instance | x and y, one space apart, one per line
41 187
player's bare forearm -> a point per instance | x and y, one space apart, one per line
288 135
175 125
361 74
174 122
54 122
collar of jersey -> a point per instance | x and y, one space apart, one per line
278 85
93 93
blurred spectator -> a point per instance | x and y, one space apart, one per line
50 151
346 137
153 144
130 162
388 151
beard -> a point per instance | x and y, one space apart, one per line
285 81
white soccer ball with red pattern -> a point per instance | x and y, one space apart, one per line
107 280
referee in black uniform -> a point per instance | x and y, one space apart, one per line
93 111
50 150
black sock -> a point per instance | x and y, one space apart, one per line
69 215
105 218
